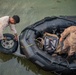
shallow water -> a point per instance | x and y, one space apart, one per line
30 11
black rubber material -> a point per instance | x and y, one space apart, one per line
11 50
53 25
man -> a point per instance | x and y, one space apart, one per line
69 40
9 21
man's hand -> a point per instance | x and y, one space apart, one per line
4 38
61 39
16 37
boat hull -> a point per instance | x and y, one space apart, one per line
54 25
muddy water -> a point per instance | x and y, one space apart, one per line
30 11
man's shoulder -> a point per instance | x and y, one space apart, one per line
5 17
72 27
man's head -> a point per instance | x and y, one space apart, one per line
15 19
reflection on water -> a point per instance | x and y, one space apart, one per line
12 65
30 11
5 57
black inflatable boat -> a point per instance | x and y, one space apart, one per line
54 25
28 48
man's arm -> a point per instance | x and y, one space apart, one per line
13 29
67 31
1 34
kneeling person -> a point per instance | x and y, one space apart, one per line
68 37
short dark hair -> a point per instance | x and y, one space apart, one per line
16 18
